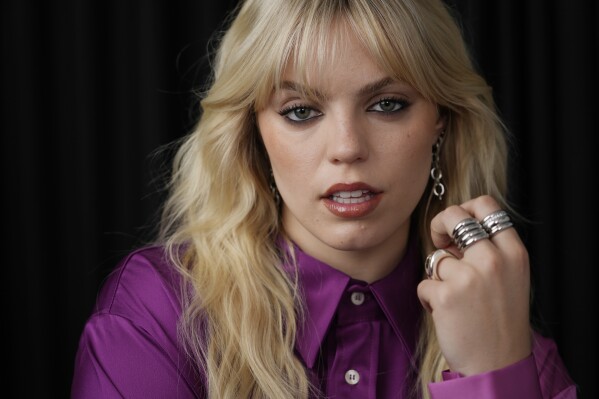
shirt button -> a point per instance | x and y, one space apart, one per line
357 298
352 377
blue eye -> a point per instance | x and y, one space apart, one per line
389 105
298 113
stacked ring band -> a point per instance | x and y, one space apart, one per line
496 221
430 265
467 232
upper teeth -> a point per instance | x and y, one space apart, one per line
350 194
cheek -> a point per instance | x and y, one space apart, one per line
409 162
287 152
410 152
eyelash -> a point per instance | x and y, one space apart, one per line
287 110
403 104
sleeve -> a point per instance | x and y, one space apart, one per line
117 359
542 375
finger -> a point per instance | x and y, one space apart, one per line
430 291
483 206
425 290
433 262
448 268
442 227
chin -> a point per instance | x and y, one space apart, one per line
351 241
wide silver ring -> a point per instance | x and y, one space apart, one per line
496 221
467 232
430 264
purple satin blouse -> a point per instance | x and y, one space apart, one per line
357 339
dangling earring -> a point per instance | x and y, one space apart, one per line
274 190
436 174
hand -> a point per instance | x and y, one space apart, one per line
480 305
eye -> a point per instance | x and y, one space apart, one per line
389 105
300 113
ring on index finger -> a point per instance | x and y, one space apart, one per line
467 232
496 221
430 265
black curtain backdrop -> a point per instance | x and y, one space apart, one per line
91 89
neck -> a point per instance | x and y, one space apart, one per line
367 264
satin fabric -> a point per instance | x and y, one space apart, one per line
351 348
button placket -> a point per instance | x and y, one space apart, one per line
354 367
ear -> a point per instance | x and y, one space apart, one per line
442 117
442 121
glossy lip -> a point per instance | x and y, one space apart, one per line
356 210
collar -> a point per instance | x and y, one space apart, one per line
323 286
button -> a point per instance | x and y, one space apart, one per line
357 298
352 377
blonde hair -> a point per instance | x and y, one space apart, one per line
220 223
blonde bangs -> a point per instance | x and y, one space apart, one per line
269 38
305 36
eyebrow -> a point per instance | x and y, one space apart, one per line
375 86
368 89
294 86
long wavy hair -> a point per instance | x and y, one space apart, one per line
220 222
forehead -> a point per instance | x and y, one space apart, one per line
339 56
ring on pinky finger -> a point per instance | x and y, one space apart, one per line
432 260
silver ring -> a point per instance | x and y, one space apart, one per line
430 265
496 221
467 232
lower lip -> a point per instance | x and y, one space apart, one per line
351 211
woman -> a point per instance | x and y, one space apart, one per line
341 142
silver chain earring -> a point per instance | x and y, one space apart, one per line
436 174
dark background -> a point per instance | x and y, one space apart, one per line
91 89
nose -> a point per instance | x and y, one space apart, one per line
347 140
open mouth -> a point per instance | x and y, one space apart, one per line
351 197
350 201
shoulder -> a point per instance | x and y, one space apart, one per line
144 289
129 345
